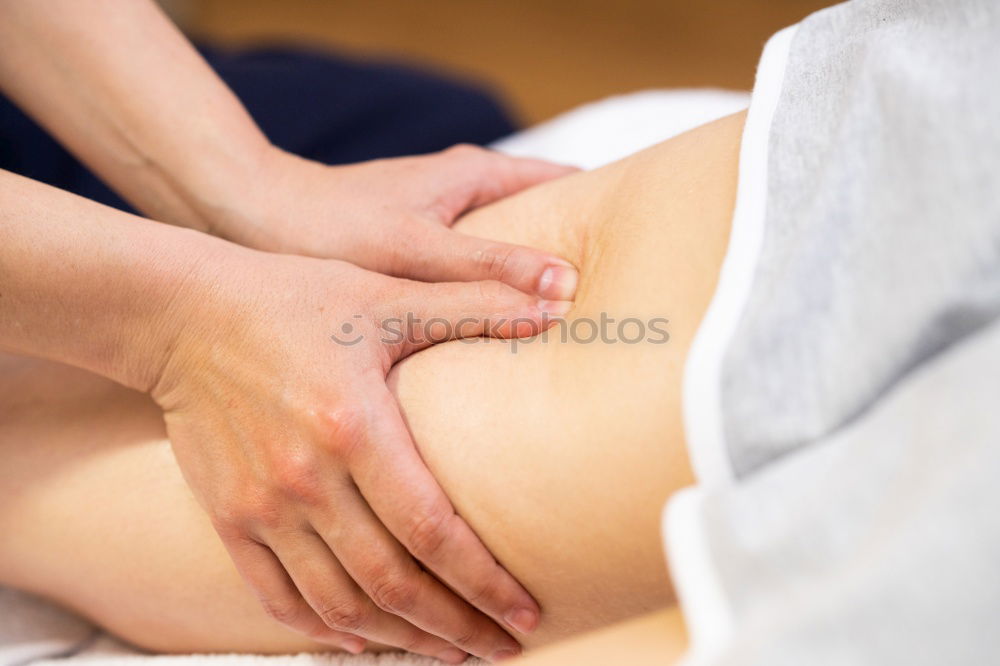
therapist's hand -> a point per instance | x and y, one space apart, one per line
277 409
394 216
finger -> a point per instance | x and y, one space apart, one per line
427 314
408 500
394 582
438 254
279 596
337 601
484 176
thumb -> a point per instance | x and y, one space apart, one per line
443 311
444 255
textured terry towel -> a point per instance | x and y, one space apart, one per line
842 398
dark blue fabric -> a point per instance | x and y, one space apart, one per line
314 104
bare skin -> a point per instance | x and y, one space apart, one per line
559 456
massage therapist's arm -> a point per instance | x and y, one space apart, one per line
118 85
292 443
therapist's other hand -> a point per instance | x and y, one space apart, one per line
276 405
394 216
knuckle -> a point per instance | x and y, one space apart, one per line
466 638
428 533
485 589
413 640
496 261
285 611
346 615
235 520
297 476
345 426
394 594
228 524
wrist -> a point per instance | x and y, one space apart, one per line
187 273
254 207
287 204
219 193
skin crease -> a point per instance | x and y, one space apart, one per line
560 456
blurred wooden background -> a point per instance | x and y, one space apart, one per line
543 56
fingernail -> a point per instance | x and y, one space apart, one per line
503 655
453 656
524 620
555 308
353 645
558 283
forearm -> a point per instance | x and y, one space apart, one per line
123 89
90 286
